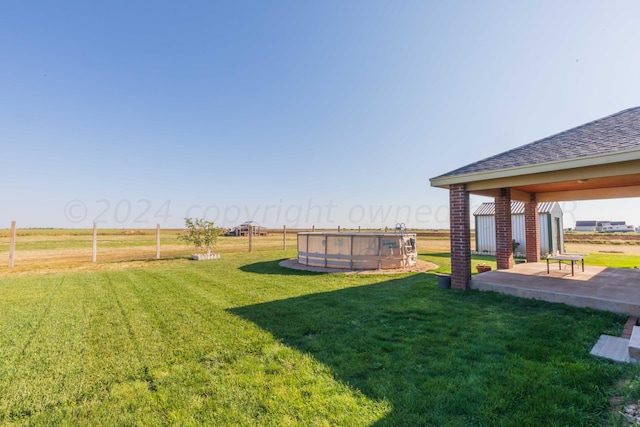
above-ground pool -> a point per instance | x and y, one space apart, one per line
358 251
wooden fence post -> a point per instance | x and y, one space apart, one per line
158 241
95 241
284 237
12 243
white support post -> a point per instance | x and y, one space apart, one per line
95 241
158 241
284 237
12 243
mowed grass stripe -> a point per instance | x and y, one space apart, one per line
45 369
23 309
249 376
112 353
150 347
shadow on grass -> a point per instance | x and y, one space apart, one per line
273 267
150 260
444 357
436 254
481 257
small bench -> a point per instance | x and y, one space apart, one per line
573 258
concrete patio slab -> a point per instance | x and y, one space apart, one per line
615 290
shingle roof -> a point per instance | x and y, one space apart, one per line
517 208
617 132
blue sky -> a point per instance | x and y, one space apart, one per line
301 113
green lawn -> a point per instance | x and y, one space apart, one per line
242 341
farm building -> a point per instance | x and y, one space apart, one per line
550 222
615 227
248 227
586 225
604 226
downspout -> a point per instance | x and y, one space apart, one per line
550 233
475 219
562 234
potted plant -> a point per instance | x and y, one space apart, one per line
514 245
444 281
201 234
481 268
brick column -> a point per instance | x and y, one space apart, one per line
504 248
532 229
460 228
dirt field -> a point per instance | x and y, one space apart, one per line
627 238
588 248
613 243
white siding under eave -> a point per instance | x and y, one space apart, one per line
543 221
518 234
486 234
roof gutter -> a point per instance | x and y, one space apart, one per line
444 181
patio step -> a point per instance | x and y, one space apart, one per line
625 349
612 348
634 343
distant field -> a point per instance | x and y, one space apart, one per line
56 249
582 236
630 241
50 250
603 243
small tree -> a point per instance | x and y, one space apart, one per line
201 234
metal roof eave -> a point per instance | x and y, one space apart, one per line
444 181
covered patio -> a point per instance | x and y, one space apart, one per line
597 160
616 290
